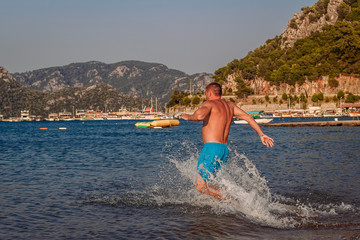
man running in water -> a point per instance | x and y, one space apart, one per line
217 116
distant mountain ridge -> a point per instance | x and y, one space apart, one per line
135 78
16 97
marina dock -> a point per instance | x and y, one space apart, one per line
350 123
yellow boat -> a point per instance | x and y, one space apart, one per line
143 125
174 122
165 123
158 124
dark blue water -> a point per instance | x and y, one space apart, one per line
109 180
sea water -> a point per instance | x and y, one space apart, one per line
110 180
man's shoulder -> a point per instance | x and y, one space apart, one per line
207 103
230 103
216 102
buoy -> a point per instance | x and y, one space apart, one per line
43 128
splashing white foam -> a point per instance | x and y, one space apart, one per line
246 191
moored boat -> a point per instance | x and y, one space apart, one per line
354 114
258 120
332 113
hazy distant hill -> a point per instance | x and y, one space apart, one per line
15 97
134 78
321 43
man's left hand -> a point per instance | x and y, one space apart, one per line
267 141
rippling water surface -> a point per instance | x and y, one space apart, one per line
109 180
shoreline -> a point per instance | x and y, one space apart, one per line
350 123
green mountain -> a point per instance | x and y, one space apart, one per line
15 97
135 78
322 40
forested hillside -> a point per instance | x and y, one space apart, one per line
330 51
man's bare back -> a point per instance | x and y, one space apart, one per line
216 125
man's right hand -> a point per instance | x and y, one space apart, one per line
185 117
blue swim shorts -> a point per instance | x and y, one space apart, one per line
212 157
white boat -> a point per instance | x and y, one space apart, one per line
127 117
113 118
332 113
354 114
258 120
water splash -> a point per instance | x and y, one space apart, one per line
247 193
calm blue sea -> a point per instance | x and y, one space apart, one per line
110 180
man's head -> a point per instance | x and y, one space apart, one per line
215 90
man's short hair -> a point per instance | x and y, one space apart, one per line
215 88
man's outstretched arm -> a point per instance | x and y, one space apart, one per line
199 114
266 140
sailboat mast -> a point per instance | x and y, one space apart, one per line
151 105
156 104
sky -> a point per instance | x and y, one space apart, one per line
192 36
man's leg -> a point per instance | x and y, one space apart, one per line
208 189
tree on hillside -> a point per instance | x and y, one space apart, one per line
195 100
333 83
314 98
275 99
351 98
185 101
243 88
267 98
174 98
340 94
320 96
302 97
